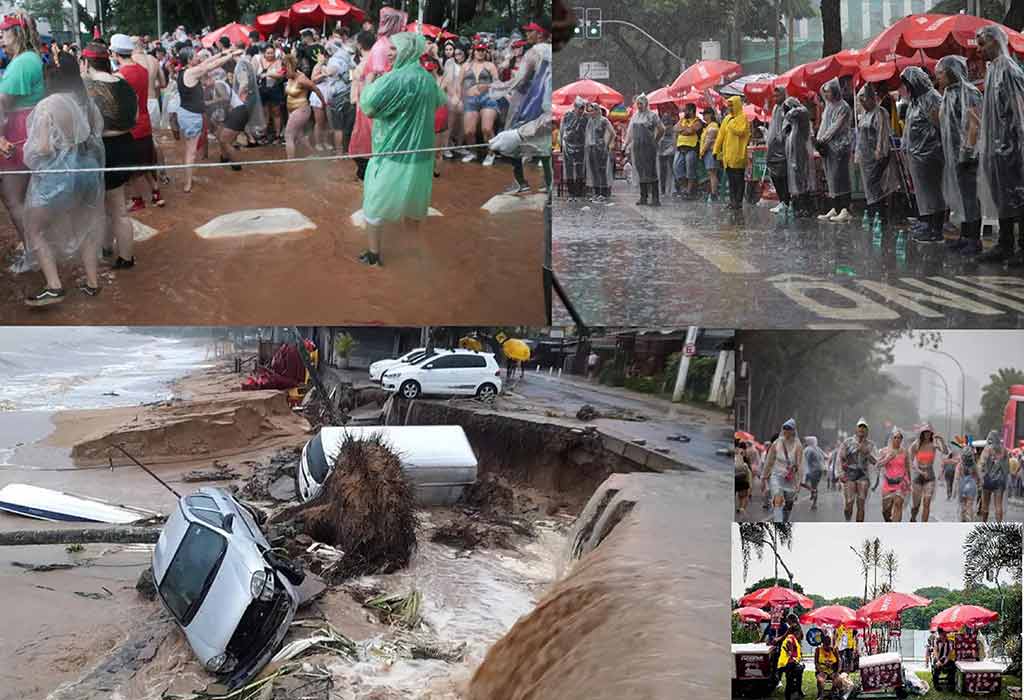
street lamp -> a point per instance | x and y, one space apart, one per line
963 385
670 52
945 386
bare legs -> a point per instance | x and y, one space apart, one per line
38 220
12 191
320 139
191 145
922 494
119 226
294 132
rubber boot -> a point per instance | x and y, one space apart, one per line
1002 250
655 199
643 195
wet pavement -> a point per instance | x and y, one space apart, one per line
830 508
689 262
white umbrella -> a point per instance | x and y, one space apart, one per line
736 86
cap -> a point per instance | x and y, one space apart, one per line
863 421
97 52
12 21
518 43
479 47
534 27
122 44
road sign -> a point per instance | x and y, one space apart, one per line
690 349
593 70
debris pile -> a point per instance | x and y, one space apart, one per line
219 472
397 609
274 480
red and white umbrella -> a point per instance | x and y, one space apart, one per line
834 616
776 595
759 93
700 98
313 13
234 31
888 607
748 614
589 90
888 72
947 34
817 73
276 22
430 30
705 74
960 615
662 96
794 82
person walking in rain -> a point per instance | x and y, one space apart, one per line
600 136
1001 142
642 136
783 472
573 135
856 456
402 103
814 458
959 123
923 144
894 473
775 157
994 466
926 453
731 150
873 155
835 135
967 478
799 156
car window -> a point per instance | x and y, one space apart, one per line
445 362
191 571
205 508
316 460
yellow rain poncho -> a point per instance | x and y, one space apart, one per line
733 135
402 105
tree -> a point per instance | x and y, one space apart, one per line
994 396
890 565
865 557
876 562
991 551
832 27
756 537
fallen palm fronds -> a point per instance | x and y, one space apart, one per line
396 609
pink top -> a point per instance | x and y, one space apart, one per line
896 469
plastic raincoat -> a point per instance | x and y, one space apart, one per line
573 135
874 148
834 138
642 136
599 156
959 117
65 131
733 136
775 139
814 458
799 155
247 82
1001 141
532 121
994 467
402 104
923 142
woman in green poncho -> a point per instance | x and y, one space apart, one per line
401 104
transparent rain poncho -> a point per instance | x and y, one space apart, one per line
643 138
247 84
775 139
66 209
402 104
799 152
874 148
834 138
922 141
1001 140
574 130
599 155
959 119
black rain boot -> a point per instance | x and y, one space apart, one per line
643 195
656 199
1002 250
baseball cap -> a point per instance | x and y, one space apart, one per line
863 422
11 21
122 44
534 27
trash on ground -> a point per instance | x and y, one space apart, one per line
43 567
325 638
219 472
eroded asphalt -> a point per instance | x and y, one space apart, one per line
689 262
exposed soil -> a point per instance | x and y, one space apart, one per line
311 277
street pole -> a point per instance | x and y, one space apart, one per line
684 364
789 34
775 35
76 35
945 385
159 21
670 52
963 385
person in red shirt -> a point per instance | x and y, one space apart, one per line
138 77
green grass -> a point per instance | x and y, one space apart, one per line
810 688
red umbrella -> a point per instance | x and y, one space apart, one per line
817 73
776 595
234 31
850 57
274 22
705 74
313 13
430 30
590 90
888 44
959 615
751 112
749 614
699 98
661 96
952 34
889 606
794 82
888 72
834 616
758 93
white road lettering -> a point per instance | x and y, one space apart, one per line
796 287
980 293
932 295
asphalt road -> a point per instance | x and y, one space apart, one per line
694 263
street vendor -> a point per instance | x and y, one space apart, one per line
856 456
789 664
826 665
783 471
943 660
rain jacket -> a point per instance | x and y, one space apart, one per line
599 156
402 104
923 142
733 136
1001 142
994 468
573 132
834 138
799 156
959 118
775 139
643 139
874 150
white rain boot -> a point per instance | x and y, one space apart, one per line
780 209
828 216
843 217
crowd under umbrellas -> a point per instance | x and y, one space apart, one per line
926 119
397 98
912 469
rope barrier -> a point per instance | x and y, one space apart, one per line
267 161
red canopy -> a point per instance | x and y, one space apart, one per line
590 90
834 615
758 93
776 595
705 74
959 615
794 82
888 72
751 112
699 98
953 34
313 13
661 96
817 73
274 22
752 614
888 607
234 31
430 30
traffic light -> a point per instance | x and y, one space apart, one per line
578 13
593 22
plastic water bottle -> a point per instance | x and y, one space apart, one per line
865 222
901 247
876 226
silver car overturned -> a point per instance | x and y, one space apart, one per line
217 576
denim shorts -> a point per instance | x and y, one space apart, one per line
685 165
476 103
190 123
710 162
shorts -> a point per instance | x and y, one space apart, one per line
477 103
237 118
685 165
710 162
779 486
441 119
189 123
274 95
145 151
120 151
16 132
341 114
62 191
814 477
968 487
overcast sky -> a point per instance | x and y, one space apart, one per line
821 561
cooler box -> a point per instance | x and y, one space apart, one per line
979 677
752 672
881 672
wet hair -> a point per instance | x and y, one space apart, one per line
185 55
99 64
64 76
291 63
366 40
225 42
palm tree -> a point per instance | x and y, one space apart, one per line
992 550
755 537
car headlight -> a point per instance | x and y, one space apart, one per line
262 585
221 663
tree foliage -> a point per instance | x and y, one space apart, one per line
755 538
994 396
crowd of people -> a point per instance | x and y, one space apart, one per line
978 476
355 92
939 149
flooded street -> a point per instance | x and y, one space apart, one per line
689 262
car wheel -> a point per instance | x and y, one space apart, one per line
289 568
409 389
487 392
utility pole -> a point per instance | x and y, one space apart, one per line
775 35
684 364
76 35
963 386
670 52
789 34
159 20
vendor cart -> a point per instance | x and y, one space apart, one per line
753 674
881 676
979 678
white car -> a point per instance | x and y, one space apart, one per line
454 373
378 368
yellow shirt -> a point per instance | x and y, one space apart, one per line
784 657
689 140
733 135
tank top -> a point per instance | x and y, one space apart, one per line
470 79
296 95
138 77
926 459
827 659
895 471
191 97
